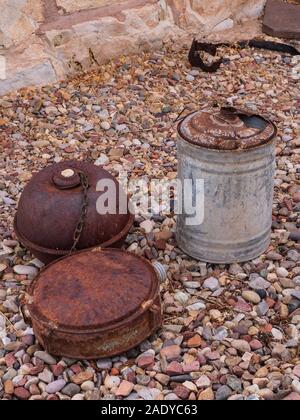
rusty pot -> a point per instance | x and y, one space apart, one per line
57 212
95 304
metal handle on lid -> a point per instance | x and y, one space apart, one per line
67 179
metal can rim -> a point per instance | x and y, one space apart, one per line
237 150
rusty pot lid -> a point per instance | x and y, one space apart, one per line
93 290
50 208
226 128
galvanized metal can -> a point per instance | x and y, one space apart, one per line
233 153
94 304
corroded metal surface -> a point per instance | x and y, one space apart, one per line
50 206
95 304
226 129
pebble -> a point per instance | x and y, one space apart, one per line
82 377
262 308
45 357
277 335
211 283
282 272
112 381
190 78
259 283
55 386
124 389
147 226
241 345
296 371
105 125
104 364
26 270
251 296
206 395
223 393
203 382
274 256
71 390
21 393
171 352
46 376
3 267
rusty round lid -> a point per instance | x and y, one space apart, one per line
226 128
93 289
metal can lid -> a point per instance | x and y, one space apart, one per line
226 128
92 290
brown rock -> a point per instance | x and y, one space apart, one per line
124 389
182 392
160 244
8 387
82 377
294 396
281 19
174 368
195 341
206 395
145 361
171 352
296 197
165 235
21 393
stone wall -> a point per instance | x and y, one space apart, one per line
45 40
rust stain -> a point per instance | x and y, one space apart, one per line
90 305
50 207
226 128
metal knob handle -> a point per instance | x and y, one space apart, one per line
67 179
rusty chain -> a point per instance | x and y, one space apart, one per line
80 225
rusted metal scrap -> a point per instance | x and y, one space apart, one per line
195 59
199 47
57 212
94 304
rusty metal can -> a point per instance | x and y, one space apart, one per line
51 208
232 152
95 304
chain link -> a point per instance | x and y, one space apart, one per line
84 207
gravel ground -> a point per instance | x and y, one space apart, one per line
235 333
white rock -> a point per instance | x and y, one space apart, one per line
211 283
197 306
282 272
26 270
103 115
277 334
78 397
296 386
102 160
181 297
147 226
87 386
112 381
203 382
105 125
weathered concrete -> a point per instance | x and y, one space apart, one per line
46 40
